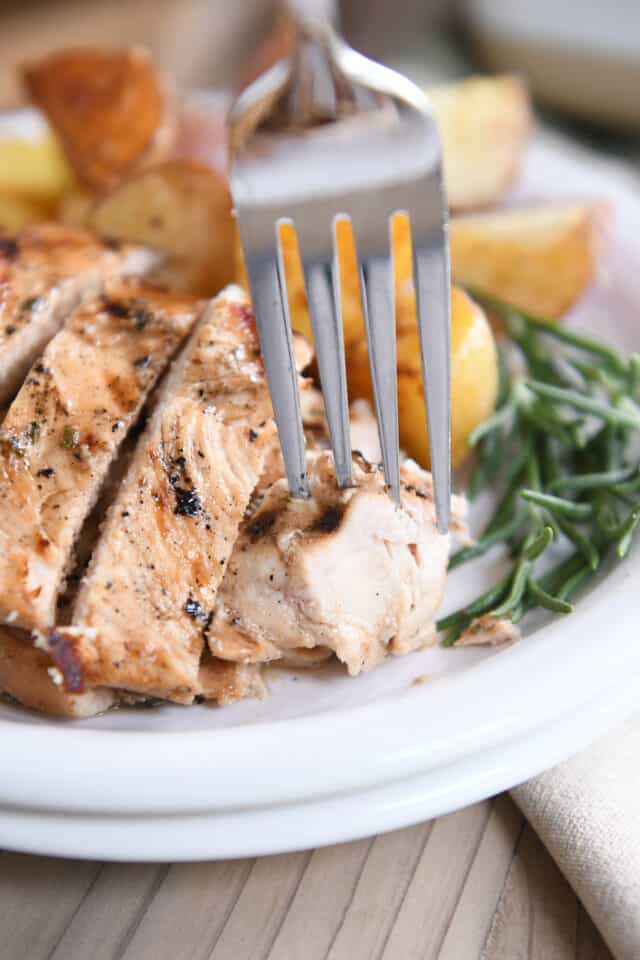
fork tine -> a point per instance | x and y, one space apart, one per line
433 296
376 279
323 294
271 307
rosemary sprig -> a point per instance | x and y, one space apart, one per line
614 359
593 481
558 505
617 416
560 477
490 538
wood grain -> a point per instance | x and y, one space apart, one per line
485 882
476 885
102 923
432 896
266 897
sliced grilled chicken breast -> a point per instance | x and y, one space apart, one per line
28 675
45 271
64 428
144 608
346 570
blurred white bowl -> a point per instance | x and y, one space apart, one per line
581 56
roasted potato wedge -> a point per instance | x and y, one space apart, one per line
474 379
17 211
484 123
35 168
107 107
181 208
540 259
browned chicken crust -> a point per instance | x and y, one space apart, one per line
28 675
64 428
45 271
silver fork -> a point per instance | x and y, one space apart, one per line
324 135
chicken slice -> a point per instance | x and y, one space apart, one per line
488 631
142 612
226 682
65 427
364 431
45 271
28 675
362 422
346 570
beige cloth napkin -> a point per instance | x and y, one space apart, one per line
587 813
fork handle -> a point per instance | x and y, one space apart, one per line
314 13
318 89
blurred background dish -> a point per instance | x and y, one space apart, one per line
582 57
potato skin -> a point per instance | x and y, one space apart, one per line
539 258
16 211
484 125
181 208
107 107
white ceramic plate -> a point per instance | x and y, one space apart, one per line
327 758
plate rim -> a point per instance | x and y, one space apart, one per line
116 780
262 831
53 766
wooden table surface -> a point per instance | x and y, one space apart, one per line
475 884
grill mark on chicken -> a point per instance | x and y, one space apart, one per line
142 612
329 521
261 526
57 439
44 273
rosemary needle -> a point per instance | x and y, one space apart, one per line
540 444
614 415
552 329
627 531
547 600
558 505
584 544
592 481
498 419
